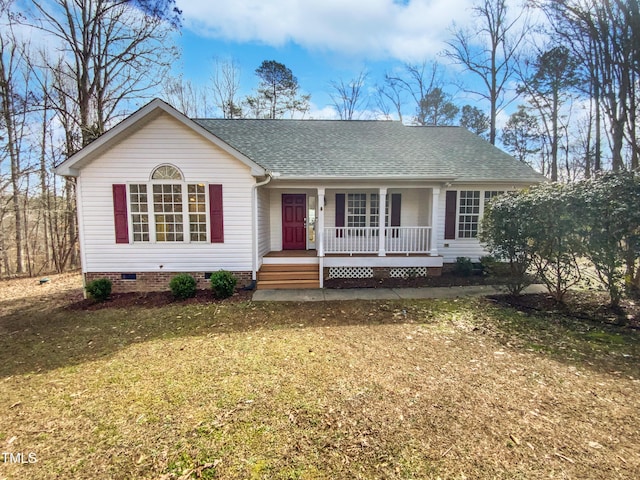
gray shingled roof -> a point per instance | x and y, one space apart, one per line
360 149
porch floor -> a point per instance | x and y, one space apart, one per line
314 253
293 253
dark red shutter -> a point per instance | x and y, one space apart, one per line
450 214
216 213
121 221
340 213
396 208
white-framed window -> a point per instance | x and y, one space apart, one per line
363 210
197 212
139 208
471 209
356 210
468 213
168 209
489 194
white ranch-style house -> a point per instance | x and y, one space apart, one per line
281 203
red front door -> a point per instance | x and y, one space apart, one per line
294 213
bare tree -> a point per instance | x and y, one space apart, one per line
547 89
603 35
390 96
14 106
185 96
489 52
348 97
225 83
414 85
112 52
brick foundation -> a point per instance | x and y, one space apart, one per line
157 281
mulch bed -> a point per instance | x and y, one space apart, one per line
155 300
589 306
444 280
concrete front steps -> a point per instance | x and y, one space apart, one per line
279 276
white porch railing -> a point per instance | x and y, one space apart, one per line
408 240
354 240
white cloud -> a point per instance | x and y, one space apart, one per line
321 113
374 29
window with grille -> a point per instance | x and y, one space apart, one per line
356 210
167 207
168 210
197 213
489 194
139 212
468 213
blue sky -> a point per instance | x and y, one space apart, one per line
319 40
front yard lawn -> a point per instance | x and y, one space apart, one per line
414 389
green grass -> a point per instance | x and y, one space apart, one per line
413 389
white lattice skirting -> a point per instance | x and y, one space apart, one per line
350 272
408 272
367 272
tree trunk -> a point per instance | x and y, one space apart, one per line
8 116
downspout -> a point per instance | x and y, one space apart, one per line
254 226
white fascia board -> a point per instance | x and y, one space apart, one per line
369 178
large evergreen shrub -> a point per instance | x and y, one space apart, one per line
550 226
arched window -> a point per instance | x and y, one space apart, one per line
166 172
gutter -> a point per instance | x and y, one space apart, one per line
254 226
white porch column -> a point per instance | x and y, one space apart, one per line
320 223
382 208
435 197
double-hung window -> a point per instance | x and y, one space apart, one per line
139 212
356 210
468 213
167 210
463 212
362 212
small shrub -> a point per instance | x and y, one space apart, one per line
463 266
488 264
223 284
183 286
99 289
493 267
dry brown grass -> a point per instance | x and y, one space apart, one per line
416 389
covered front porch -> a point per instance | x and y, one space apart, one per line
351 220
351 230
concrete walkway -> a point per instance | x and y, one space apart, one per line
320 294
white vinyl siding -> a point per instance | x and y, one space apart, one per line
264 222
164 141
